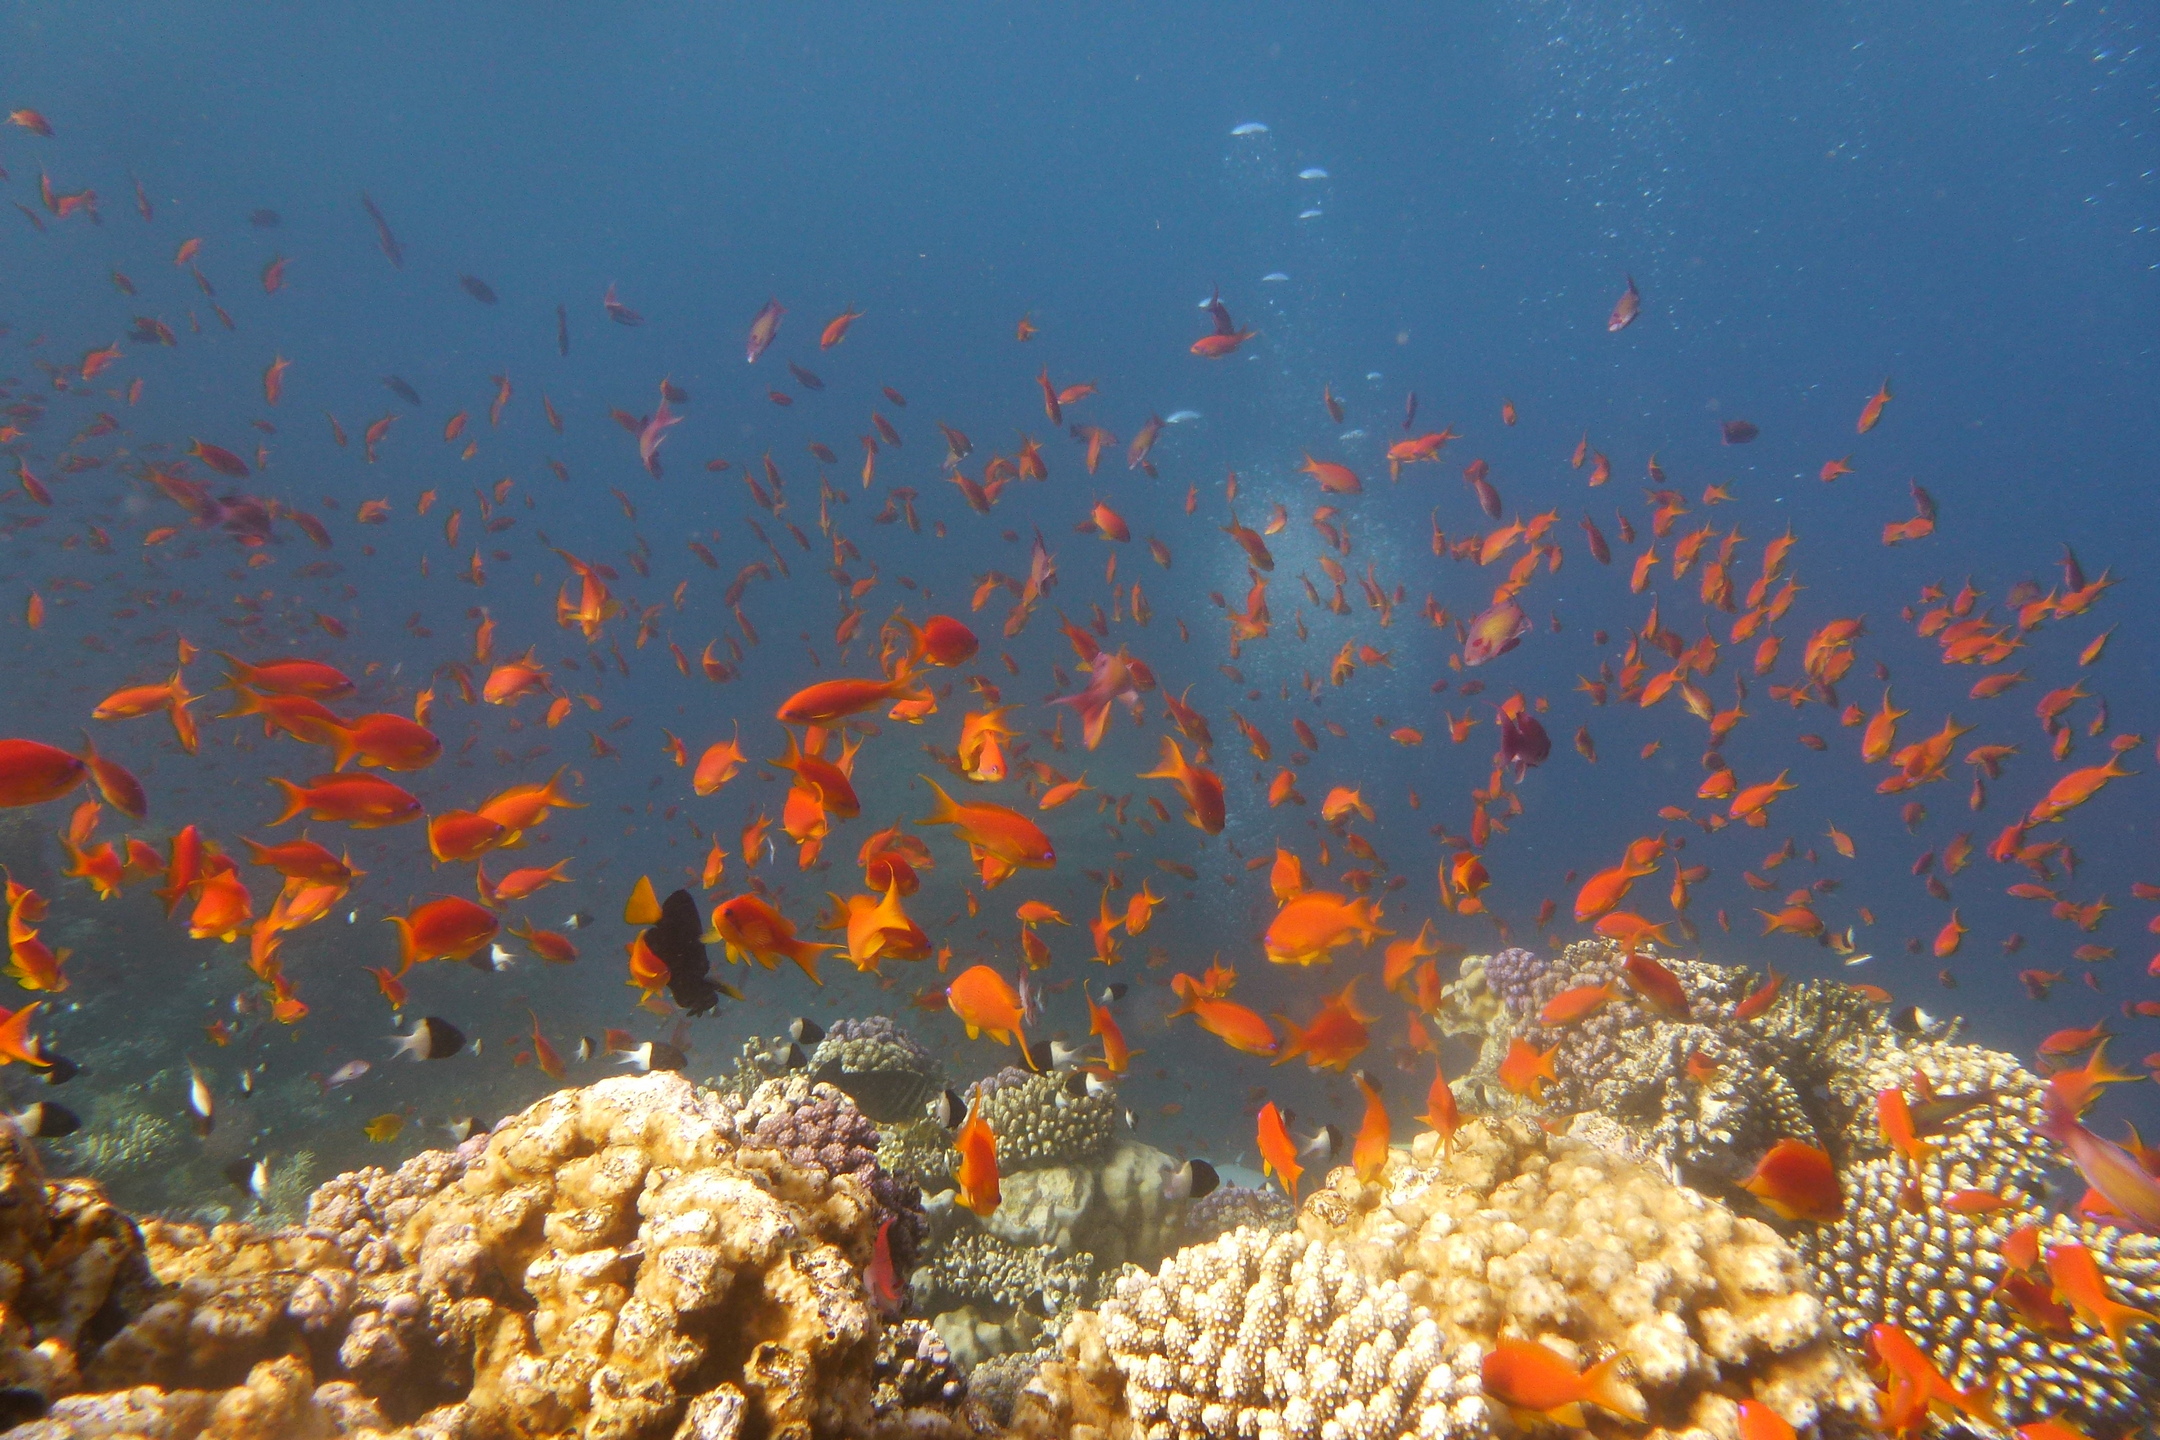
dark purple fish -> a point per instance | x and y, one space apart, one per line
383 237
805 378
1409 410
479 289
397 386
562 330
1923 503
1523 743
2072 572
1739 432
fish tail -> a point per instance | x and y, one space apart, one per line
1603 1386
556 798
296 799
2116 1318
15 1037
343 746
241 672
943 810
245 701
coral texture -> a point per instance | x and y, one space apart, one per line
1038 1122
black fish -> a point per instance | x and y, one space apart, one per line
949 1109
1191 1181
678 943
431 1039
805 1031
1739 432
264 219
45 1120
397 386
654 1055
675 394
562 330
479 289
383 237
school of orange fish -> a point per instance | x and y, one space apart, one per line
91 493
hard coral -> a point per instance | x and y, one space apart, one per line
1934 1272
1039 1122
1371 1320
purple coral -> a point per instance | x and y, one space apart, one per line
1511 974
819 1130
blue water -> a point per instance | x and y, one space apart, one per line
1963 200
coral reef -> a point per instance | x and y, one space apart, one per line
1039 1122
1933 1272
762 1058
1229 1208
889 1075
918 1151
1283 1335
821 1134
1373 1317
977 1268
1628 1063
633 1259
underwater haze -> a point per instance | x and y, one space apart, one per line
1424 214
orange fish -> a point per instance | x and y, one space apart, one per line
831 700
1527 1070
1441 1112
986 1004
1532 1378
447 929
32 773
1369 1153
1871 412
1570 1006
751 928
2076 1277
1796 1181
977 1172
1313 923
1335 479
1006 836
1334 1038
1201 787
1278 1152
364 802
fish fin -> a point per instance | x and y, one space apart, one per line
944 811
296 799
1604 1386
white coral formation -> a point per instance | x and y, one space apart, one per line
1371 1321
1282 1338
